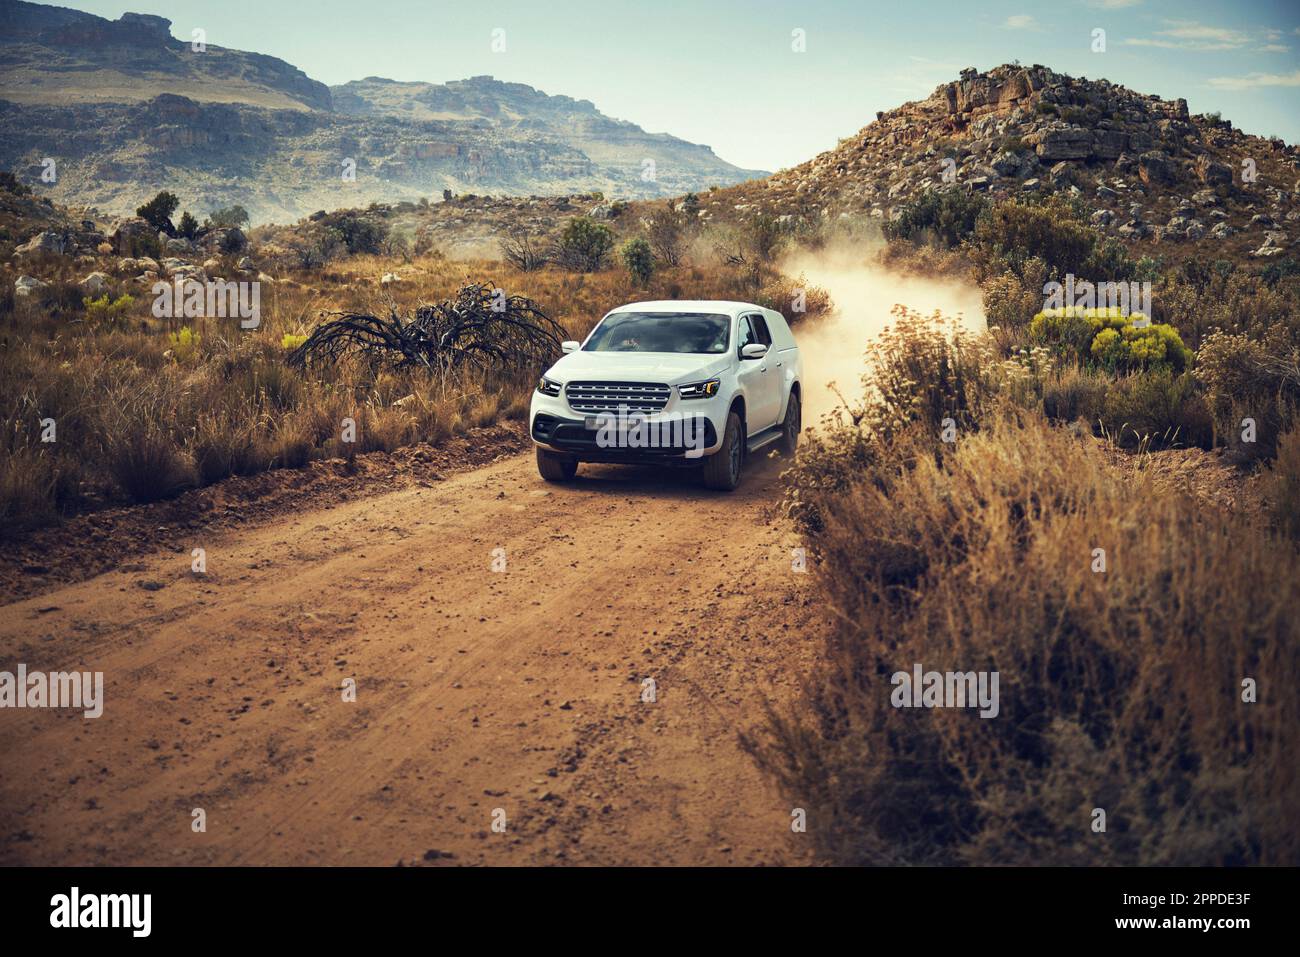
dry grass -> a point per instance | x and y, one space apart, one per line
1120 689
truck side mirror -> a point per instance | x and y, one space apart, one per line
755 350
570 345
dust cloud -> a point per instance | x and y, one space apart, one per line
863 293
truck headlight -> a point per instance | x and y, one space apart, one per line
548 386
700 390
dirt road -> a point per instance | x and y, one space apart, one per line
477 691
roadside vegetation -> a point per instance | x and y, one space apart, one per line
971 518
144 408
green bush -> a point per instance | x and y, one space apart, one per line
1108 338
108 310
358 234
1156 346
584 244
948 216
638 259
230 216
1010 234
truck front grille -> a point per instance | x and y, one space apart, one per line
593 398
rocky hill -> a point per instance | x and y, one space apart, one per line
1146 169
124 110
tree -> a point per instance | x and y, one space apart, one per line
230 216
158 212
188 227
583 244
638 259
359 235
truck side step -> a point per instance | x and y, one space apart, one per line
766 437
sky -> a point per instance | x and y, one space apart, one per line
727 72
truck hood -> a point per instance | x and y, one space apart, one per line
670 368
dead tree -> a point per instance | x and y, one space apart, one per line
481 327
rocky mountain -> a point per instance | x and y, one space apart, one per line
1145 168
124 109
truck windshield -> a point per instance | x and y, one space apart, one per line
661 332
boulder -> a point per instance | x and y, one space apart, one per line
227 239
129 233
1155 166
1006 164
26 285
95 285
1108 144
47 242
1066 143
1211 172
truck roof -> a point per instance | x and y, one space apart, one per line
691 305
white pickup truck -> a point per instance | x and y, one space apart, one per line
682 383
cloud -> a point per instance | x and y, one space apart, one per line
1254 80
1275 48
1193 35
1113 4
1021 21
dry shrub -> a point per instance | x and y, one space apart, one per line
1119 690
1157 410
796 299
1072 393
29 480
145 459
1282 485
230 442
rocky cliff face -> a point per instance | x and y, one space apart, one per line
125 110
1144 167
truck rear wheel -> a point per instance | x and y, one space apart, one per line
556 467
791 426
722 468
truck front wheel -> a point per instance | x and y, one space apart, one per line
555 467
722 468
